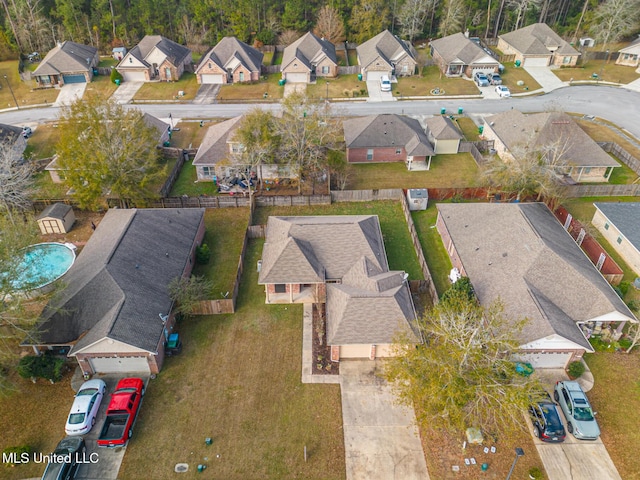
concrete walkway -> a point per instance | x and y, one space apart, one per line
546 78
126 91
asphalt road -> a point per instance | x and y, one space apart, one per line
617 105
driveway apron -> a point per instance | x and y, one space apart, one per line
290 88
546 78
380 437
126 91
207 94
69 93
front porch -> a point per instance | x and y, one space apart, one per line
295 293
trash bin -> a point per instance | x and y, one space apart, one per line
282 81
95 71
118 82
359 77
443 111
481 129
167 144
460 110
518 63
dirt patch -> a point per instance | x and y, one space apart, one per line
321 352
80 232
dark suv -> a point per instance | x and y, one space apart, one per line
66 459
547 425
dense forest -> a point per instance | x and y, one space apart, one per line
36 25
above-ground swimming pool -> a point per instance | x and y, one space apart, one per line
42 264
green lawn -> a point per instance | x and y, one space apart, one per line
101 86
453 171
342 58
24 92
432 77
343 86
253 91
608 72
622 175
45 188
277 58
468 127
169 90
106 62
186 183
602 133
353 57
189 133
397 241
267 58
42 143
512 75
434 252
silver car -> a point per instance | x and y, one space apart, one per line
85 407
581 421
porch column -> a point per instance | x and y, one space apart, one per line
580 174
608 173
620 327
291 293
429 163
266 292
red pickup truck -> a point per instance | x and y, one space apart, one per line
121 413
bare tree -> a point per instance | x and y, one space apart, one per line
521 7
452 17
412 17
330 25
288 37
16 180
188 292
615 18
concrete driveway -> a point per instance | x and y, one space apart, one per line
377 95
207 94
546 78
69 93
380 437
126 91
289 88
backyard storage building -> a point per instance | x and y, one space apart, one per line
56 218
417 198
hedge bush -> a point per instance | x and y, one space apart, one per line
576 369
203 254
43 366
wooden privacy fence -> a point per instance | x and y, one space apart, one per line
629 160
268 69
291 200
605 190
473 150
200 202
351 70
213 307
366 195
257 231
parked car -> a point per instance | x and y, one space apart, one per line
547 425
495 79
503 91
581 420
27 132
85 407
67 456
481 79
385 83
122 413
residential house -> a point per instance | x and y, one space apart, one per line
307 58
114 314
56 218
230 61
11 137
155 58
386 54
387 138
67 62
519 254
456 56
339 260
537 45
212 158
553 134
630 55
443 134
619 224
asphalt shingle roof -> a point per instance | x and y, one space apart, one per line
442 128
55 210
309 49
386 46
175 52
229 48
68 57
457 48
626 218
538 39
215 146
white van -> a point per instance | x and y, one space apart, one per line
385 83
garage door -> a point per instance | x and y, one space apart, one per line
536 62
119 365
296 77
74 79
375 76
547 359
208 78
134 77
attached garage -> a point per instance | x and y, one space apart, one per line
297 77
547 359
119 364
134 76
536 61
209 78
76 78
375 76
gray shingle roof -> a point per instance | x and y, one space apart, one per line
538 39
309 49
55 210
386 46
548 128
175 52
387 130
625 216
69 57
633 47
160 126
9 134
520 254
442 128
459 49
214 146
118 286
229 48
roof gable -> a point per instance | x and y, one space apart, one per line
214 146
68 57
230 48
387 130
457 48
150 45
442 128
386 47
538 39
309 50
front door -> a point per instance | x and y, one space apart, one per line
167 73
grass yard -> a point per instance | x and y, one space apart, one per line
187 183
608 72
190 133
45 188
101 86
169 90
225 229
352 55
512 75
24 92
468 127
107 62
252 91
277 58
343 86
434 252
237 381
622 175
431 78
342 58
602 133
43 141
454 171
267 58
397 241
616 377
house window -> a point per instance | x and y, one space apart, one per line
405 68
566 60
241 76
130 60
370 154
280 288
606 226
619 240
587 170
325 70
207 171
398 151
209 65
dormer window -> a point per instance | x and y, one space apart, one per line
130 60
209 64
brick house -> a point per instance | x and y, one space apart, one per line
307 58
230 61
114 313
340 261
67 62
386 54
458 56
387 138
155 58
537 45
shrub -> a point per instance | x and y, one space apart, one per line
17 454
43 366
624 287
115 75
625 342
576 369
535 473
203 254
634 305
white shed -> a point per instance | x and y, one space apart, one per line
56 218
417 198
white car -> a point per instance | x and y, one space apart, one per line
503 91
85 407
385 83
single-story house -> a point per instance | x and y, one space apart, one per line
340 260
307 58
553 134
387 138
155 58
12 138
537 45
212 158
67 62
386 54
443 134
520 254
630 55
456 56
115 313
56 218
619 224
230 61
